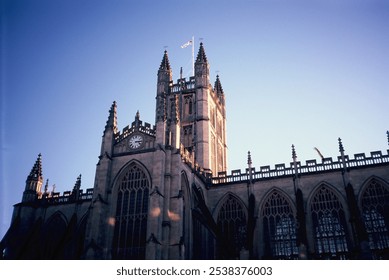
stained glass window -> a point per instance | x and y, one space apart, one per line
232 223
329 225
131 215
375 207
279 228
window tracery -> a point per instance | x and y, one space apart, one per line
279 228
375 206
329 225
131 215
232 222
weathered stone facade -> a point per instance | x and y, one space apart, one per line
162 192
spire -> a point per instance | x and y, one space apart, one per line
36 171
201 57
341 150
218 86
47 186
112 118
296 176
137 119
77 185
76 188
294 155
219 89
165 65
249 161
345 175
34 182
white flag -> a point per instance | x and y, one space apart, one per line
187 44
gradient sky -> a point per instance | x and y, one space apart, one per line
293 72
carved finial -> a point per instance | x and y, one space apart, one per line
201 57
218 86
165 64
47 186
77 185
112 118
137 119
249 162
294 156
341 149
36 171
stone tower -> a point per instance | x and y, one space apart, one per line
192 113
34 182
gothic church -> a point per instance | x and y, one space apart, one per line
163 192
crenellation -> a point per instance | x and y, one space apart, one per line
146 129
183 85
376 154
248 170
310 167
264 169
66 197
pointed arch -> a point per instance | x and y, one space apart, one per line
374 203
131 189
222 201
277 216
80 236
53 233
231 221
67 250
329 223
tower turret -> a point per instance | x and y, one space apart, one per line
109 132
219 90
202 68
34 182
164 79
76 188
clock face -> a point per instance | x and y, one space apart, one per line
135 141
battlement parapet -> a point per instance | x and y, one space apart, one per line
146 129
310 167
183 85
67 196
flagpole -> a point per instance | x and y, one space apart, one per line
193 56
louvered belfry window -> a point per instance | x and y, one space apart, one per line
329 225
279 228
375 208
131 215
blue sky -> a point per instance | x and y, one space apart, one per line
294 72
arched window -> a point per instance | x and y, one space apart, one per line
129 240
52 237
375 209
232 223
279 228
329 225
